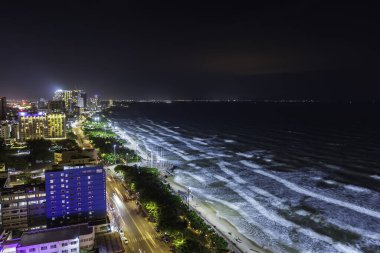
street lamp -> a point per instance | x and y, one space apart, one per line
188 197
114 153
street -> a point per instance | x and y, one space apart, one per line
138 230
82 141
123 214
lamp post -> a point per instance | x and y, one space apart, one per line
188 197
114 153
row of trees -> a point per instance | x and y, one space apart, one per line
102 137
188 231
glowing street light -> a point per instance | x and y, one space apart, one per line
114 153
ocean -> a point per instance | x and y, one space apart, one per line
292 177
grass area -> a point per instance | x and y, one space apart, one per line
188 232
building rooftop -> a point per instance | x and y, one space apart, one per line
109 242
54 234
23 188
73 167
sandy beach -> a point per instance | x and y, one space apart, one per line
237 241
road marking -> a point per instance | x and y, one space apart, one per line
137 227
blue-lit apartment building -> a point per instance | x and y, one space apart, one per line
75 194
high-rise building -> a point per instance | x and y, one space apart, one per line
42 126
72 98
23 207
82 99
56 106
41 103
93 103
5 131
3 108
15 131
75 194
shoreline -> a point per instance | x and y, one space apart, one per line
227 230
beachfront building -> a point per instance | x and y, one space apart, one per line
75 194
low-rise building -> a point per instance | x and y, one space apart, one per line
23 207
76 157
69 239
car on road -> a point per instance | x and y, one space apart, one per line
121 232
125 240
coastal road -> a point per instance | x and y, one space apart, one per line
142 238
140 233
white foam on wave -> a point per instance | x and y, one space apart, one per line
296 188
214 155
199 141
285 223
357 188
332 182
237 178
246 155
196 177
273 199
179 153
302 212
229 141
187 143
194 166
142 129
362 232
165 128
377 177
234 206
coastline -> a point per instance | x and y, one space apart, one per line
228 231
221 225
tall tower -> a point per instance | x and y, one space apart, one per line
3 108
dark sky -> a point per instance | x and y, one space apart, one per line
189 49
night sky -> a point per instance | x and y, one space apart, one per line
191 50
